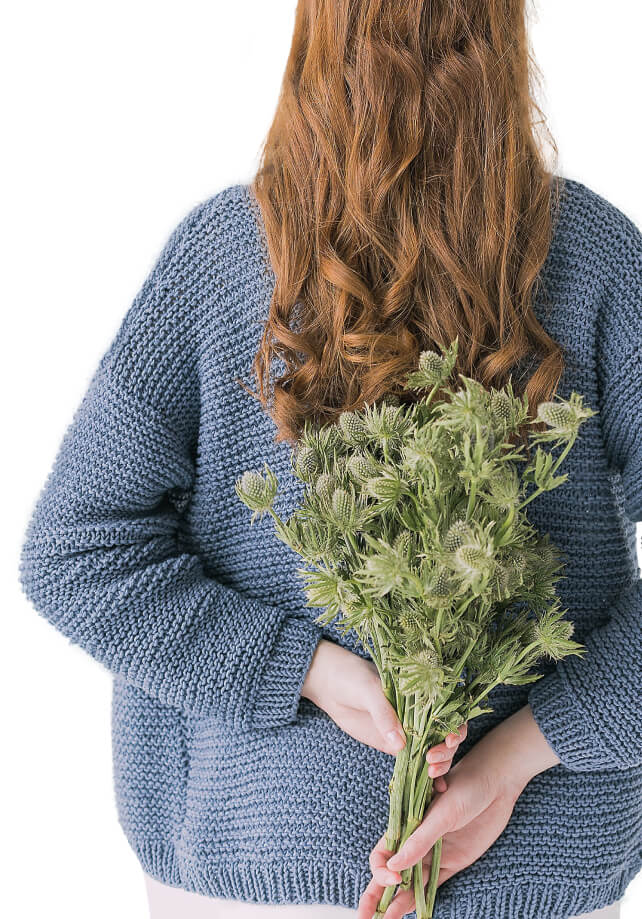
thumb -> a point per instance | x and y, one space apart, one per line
387 722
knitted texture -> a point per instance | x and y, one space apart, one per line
227 782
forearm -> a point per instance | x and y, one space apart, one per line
523 750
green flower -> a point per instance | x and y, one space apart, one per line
343 508
501 408
361 467
421 673
434 369
325 485
552 634
388 489
306 464
387 570
562 417
352 427
458 533
257 491
385 422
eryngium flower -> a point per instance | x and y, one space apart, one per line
306 463
352 428
434 369
257 491
421 673
552 633
563 418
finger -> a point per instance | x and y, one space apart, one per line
385 877
437 769
403 902
439 820
380 872
455 737
369 900
440 784
380 854
387 722
439 753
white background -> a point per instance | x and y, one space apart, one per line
118 117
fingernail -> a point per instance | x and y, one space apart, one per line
433 757
450 741
397 741
395 862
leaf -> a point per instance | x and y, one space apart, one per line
478 710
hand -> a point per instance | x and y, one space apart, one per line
348 688
441 756
482 790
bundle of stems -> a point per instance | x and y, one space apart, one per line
413 528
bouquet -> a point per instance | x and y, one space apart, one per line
413 531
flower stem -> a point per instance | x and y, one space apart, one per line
420 900
432 880
397 784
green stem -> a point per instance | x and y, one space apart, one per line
471 500
411 825
486 691
432 881
420 899
386 900
422 786
397 784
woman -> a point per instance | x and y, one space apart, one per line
401 200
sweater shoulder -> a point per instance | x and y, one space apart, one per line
155 352
603 237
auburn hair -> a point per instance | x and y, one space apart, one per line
405 201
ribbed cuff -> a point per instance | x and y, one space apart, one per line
282 679
565 724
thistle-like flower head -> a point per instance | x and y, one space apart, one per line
306 462
552 633
562 417
503 487
361 467
343 507
421 673
387 569
434 369
501 408
458 533
385 422
257 491
387 489
473 559
352 427
325 485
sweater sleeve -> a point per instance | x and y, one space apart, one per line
102 558
589 708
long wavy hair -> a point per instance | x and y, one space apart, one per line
405 201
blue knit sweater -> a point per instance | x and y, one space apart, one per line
227 782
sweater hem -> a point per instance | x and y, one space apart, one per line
312 881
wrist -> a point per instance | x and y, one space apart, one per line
313 683
524 748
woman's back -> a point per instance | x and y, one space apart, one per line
230 784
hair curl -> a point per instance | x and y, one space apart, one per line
405 201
